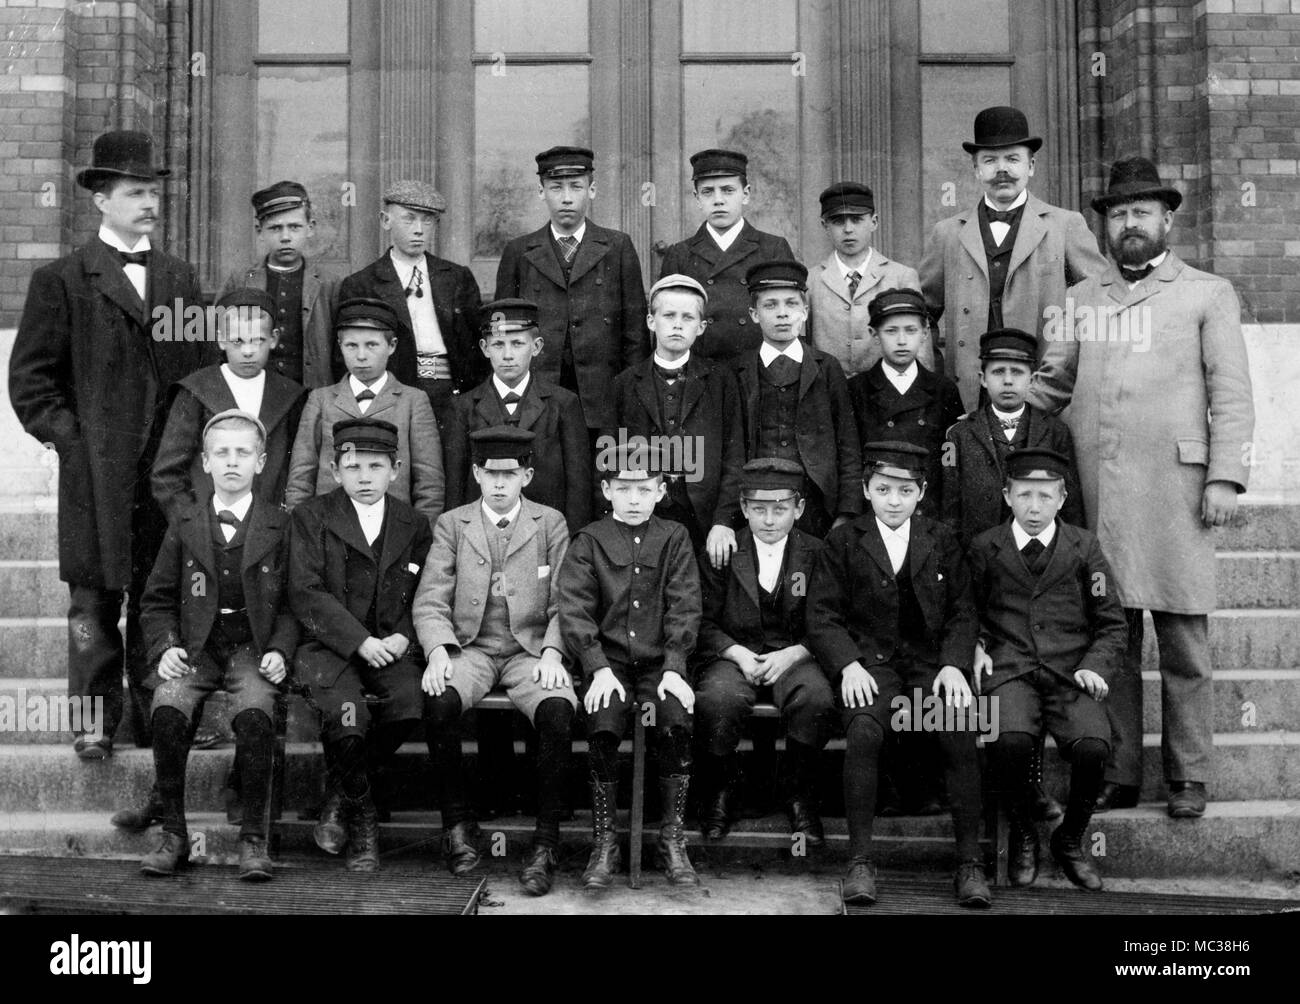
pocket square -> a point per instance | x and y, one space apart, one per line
413 568
543 571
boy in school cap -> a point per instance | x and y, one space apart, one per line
437 301
1052 634
586 282
890 611
630 615
487 614
842 287
693 404
369 332
303 294
753 642
721 252
355 556
517 396
795 401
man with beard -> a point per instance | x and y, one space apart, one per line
1155 345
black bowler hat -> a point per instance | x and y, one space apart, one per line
278 198
847 198
1037 464
1009 343
718 164
372 435
770 474
1136 178
565 162
367 312
121 154
896 301
1002 126
501 317
779 274
894 459
502 447
248 296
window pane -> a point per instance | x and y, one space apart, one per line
739 26
752 109
315 26
950 97
965 26
302 135
530 25
517 115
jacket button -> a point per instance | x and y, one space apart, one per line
742 321
890 423
189 563
879 657
482 561
920 421
636 571
266 568
631 634
710 282
474 602
636 604
961 341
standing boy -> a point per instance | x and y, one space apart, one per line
304 294
753 641
234 635
692 403
487 614
720 254
630 614
795 402
355 557
515 396
586 282
841 289
891 591
1052 633
88 377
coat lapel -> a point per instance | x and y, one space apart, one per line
196 534
543 258
109 278
1059 564
744 566
693 387
1029 234
389 397
279 395
390 290
532 405
1009 556
265 531
525 528
345 524
704 246
594 247
833 279
472 532
645 392
971 240
346 401
397 534
871 541
745 244
310 290
809 370
984 432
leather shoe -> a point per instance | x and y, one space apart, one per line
172 852
1116 796
718 814
1068 851
93 749
1022 855
859 885
1186 799
139 820
539 873
805 819
460 847
971 886
254 861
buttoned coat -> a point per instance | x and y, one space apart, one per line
826 432
419 481
333 578
321 362
602 307
88 376
457 579
1053 249
181 601
562 462
1156 413
178 478
730 332
841 327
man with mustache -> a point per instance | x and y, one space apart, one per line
89 374
1004 262
1157 473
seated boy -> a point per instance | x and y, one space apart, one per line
233 634
693 403
247 334
368 334
795 401
1052 632
515 395
630 614
891 592
752 644
354 559
487 615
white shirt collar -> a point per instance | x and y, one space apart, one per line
232 376
503 390
903 533
725 238
240 508
582 229
676 364
404 269
115 242
357 386
369 513
999 413
493 517
901 380
765 550
1154 263
847 270
1020 201
1023 538
793 351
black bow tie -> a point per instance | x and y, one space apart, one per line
998 216
133 257
511 398
229 518
1032 549
502 523
366 395
1136 274
670 375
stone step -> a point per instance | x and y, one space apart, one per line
1133 843
1261 527
1267 579
31 587
29 529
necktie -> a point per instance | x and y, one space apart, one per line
502 523
416 288
1136 274
228 519
667 374
998 216
1033 553
134 258
782 369
511 401
1009 423
854 279
569 245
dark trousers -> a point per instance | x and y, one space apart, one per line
441 395
1186 700
724 699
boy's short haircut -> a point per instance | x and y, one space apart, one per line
364 435
234 418
367 312
682 284
894 459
